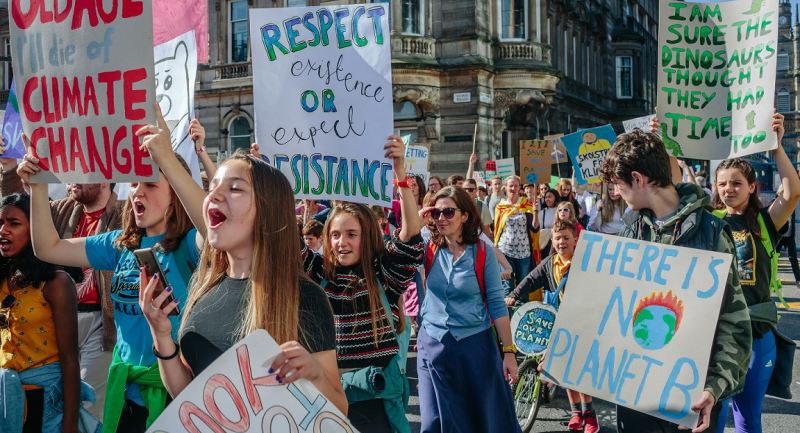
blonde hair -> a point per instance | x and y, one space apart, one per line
273 298
567 204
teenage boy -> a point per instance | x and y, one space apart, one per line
640 169
549 275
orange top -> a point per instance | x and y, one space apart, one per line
29 341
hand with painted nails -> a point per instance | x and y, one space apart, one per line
156 139
156 305
294 362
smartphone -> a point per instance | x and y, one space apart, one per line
148 260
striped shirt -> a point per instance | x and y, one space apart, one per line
347 292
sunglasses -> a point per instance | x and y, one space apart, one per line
469 189
8 302
448 212
564 210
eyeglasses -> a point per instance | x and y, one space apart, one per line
448 212
8 302
469 189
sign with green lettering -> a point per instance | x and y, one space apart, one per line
716 77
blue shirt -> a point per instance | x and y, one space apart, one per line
453 301
134 341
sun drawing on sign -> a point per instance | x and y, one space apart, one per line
656 319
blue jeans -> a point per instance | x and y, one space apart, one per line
747 405
521 269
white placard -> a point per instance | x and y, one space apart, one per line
642 123
644 340
506 168
237 393
322 86
417 161
716 77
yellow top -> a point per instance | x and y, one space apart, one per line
29 341
600 144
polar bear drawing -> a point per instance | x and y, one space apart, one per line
173 92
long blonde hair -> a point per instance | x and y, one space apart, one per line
273 302
610 206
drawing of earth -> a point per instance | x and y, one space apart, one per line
654 327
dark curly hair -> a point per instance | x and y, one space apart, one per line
25 269
638 151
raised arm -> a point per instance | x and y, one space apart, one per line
471 168
156 140
395 150
198 134
47 244
781 209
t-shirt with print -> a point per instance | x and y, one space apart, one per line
87 289
514 241
134 341
212 326
753 264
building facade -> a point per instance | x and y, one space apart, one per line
517 69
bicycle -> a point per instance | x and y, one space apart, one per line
530 392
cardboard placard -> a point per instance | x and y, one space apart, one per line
716 77
323 98
535 160
637 322
85 86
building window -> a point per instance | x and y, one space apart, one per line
296 3
783 61
238 36
405 110
624 77
784 101
8 73
412 17
513 19
239 133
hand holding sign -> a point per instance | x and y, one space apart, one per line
198 134
29 165
157 140
395 150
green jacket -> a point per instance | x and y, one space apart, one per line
693 226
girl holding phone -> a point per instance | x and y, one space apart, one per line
159 215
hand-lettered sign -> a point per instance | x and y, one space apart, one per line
641 123
559 154
716 77
506 168
534 160
322 85
84 81
417 161
531 326
644 339
587 148
237 393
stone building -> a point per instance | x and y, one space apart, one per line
517 68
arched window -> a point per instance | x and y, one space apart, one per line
405 110
784 101
239 133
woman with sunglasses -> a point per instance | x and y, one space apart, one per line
39 369
565 211
457 350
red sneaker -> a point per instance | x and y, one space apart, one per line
590 418
576 422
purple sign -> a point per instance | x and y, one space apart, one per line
12 128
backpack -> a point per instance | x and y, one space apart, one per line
479 259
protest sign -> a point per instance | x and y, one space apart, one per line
480 178
506 168
716 77
531 325
417 161
84 81
175 74
173 18
644 339
587 148
323 98
534 160
12 128
559 154
641 123
238 393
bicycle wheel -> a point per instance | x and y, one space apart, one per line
527 392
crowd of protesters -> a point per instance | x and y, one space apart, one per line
81 316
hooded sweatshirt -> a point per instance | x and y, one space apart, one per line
693 226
